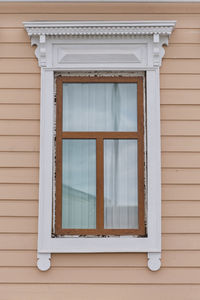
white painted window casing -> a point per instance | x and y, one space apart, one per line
100 46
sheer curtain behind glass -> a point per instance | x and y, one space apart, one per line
79 184
102 107
120 184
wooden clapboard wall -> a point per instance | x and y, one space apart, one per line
99 276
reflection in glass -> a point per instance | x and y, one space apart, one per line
120 184
79 184
99 107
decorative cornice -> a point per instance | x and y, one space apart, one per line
154 33
100 28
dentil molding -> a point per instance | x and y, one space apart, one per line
99 28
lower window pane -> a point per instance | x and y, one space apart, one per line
120 184
79 184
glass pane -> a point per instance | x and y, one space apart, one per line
99 107
79 184
120 184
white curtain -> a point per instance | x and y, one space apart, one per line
79 184
120 184
100 107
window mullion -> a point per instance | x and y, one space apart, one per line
100 185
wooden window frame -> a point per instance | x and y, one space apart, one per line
99 137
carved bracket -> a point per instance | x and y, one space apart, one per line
44 261
158 50
154 261
41 51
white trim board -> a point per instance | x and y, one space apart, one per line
105 1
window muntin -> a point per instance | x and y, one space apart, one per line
118 130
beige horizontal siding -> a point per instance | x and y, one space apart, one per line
107 275
21 112
90 292
179 81
179 96
19 65
181 176
20 51
18 208
179 112
180 128
19 241
180 66
18 224
14 35
19 159
19 143
88 8
97 292
180 192
181 160
20 96
19 127
180 51
18 81
17 191
181 241
180 143
178 208
99 276
190 36
187 20
181 225
19 175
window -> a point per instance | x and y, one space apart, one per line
100 156
108 47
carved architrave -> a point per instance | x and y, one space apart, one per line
111 48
